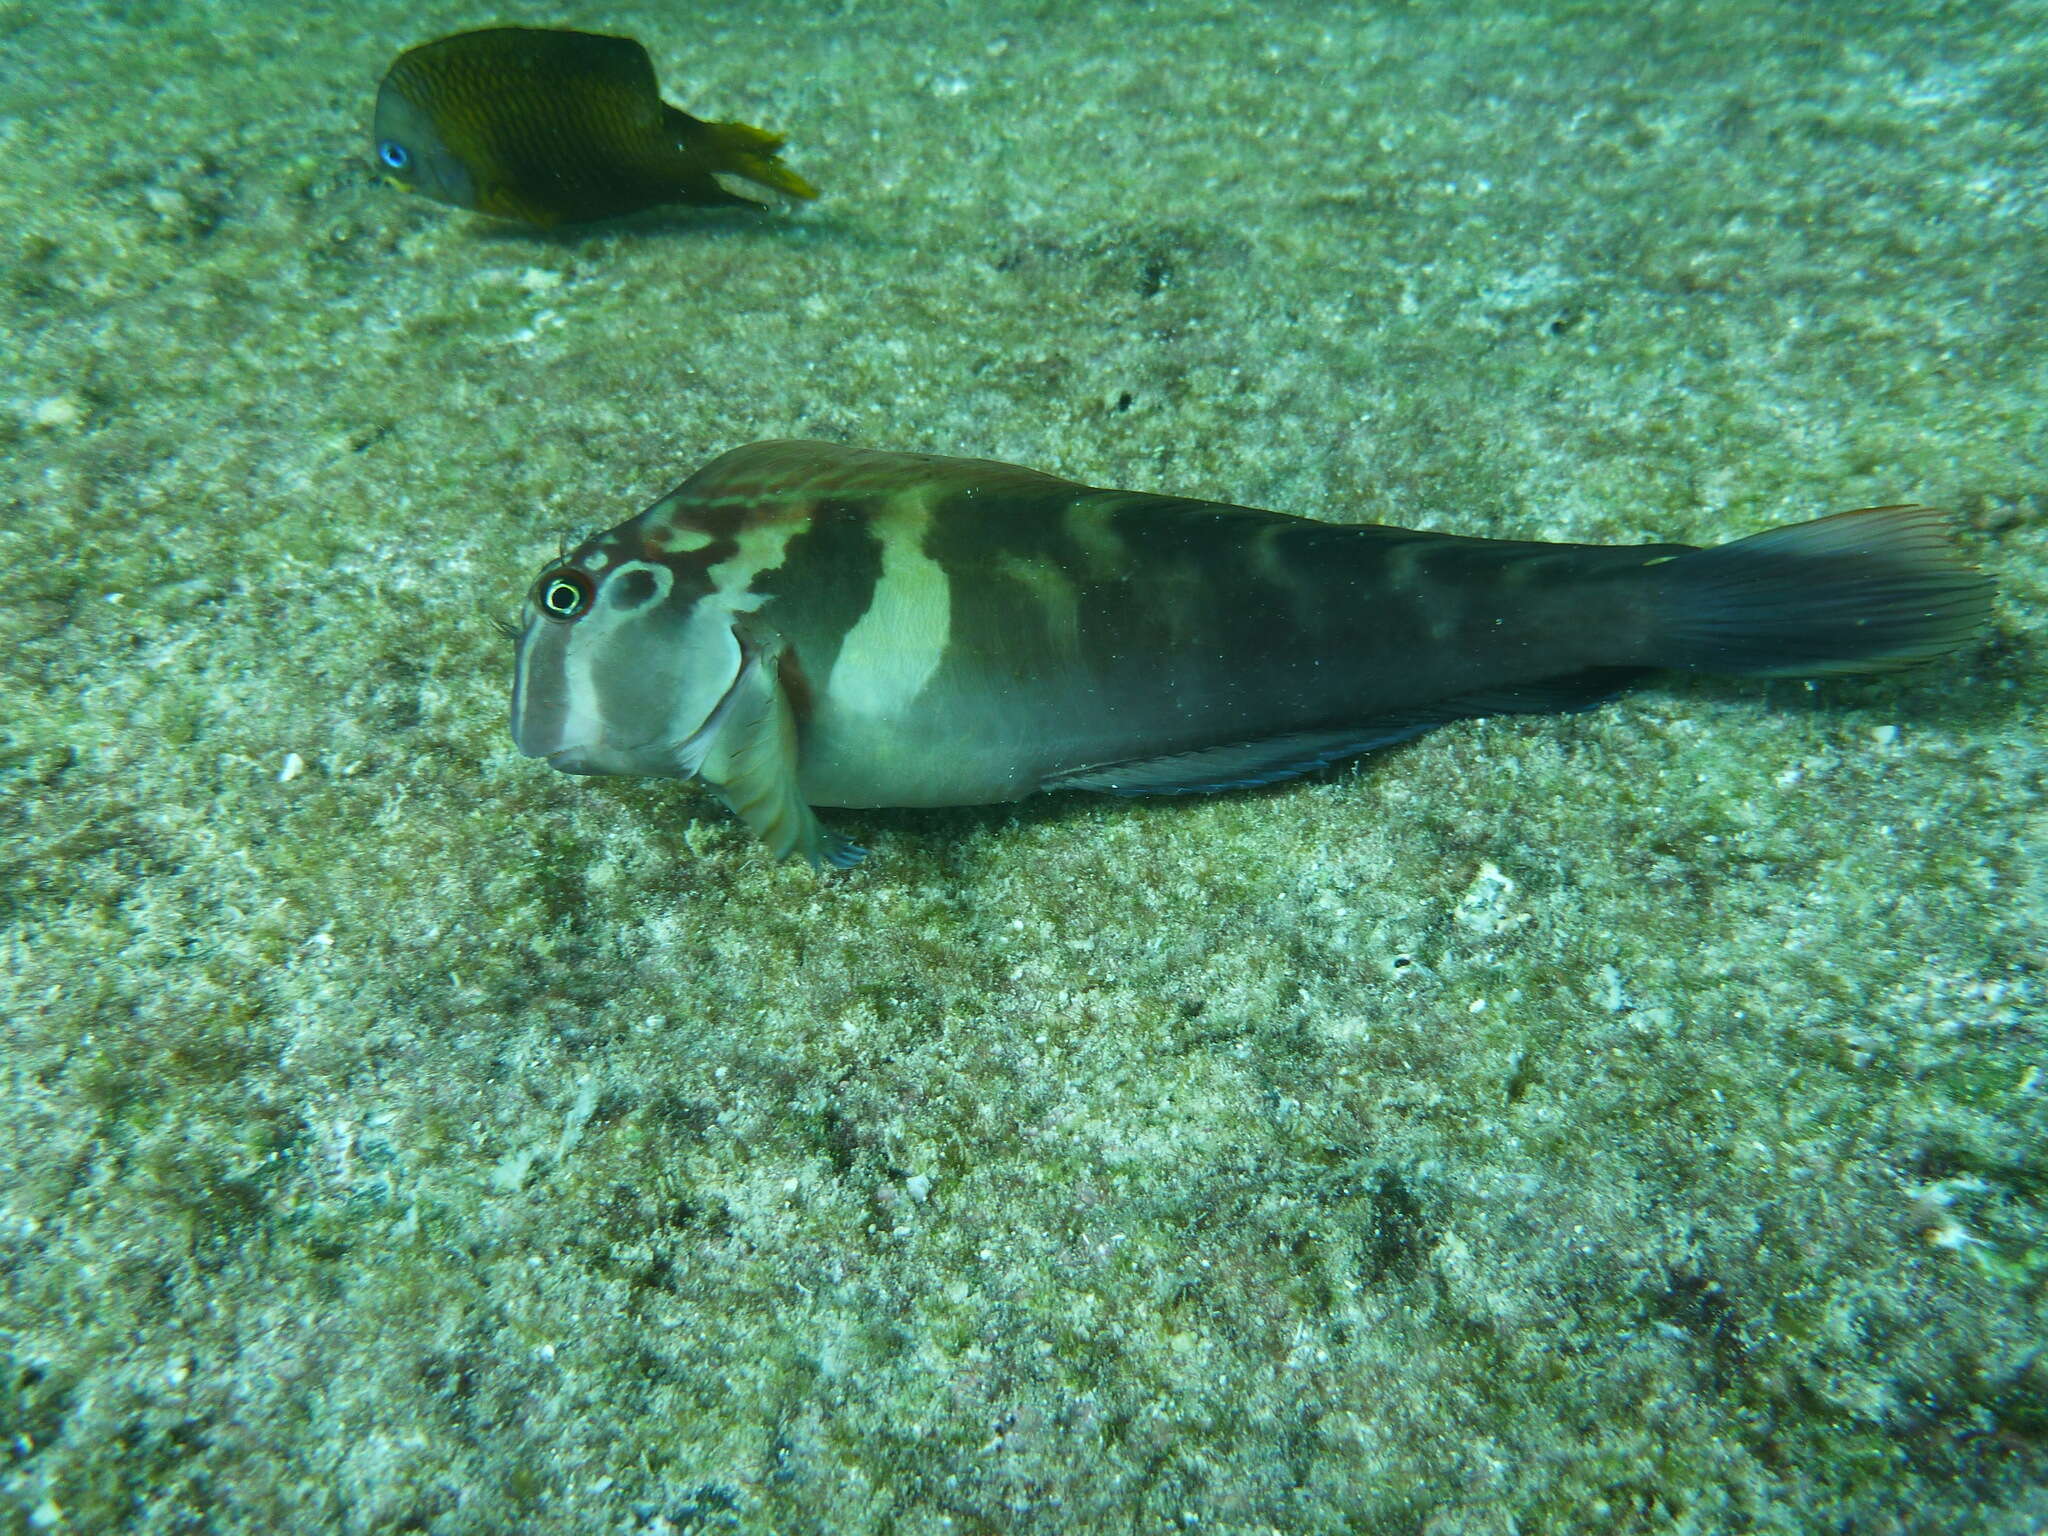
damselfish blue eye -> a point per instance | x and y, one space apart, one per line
394 154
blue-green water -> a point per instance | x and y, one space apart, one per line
1628 1123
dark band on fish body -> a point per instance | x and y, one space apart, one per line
828 573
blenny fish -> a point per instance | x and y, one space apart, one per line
802 624
553 127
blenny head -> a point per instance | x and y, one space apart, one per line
623 661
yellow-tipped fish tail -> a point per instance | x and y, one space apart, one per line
803 624
739 149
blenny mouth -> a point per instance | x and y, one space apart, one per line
578 756
569 760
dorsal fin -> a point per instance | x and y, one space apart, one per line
788 468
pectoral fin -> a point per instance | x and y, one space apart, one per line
750 763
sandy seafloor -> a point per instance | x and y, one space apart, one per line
1624 1123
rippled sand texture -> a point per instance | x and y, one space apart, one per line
1629 1123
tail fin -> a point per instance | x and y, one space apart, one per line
1867 591
739 149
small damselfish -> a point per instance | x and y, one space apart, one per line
554 127
803 624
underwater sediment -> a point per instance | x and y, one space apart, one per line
1630 1121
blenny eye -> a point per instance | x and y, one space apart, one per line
394 154
564 594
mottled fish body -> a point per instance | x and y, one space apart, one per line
553 126
804 624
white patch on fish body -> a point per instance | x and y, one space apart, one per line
760 548
583 722
663 576
1087 523
668 531
1057 597
893 649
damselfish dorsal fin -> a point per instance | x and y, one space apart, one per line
1246 764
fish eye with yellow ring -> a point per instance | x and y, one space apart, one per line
564 594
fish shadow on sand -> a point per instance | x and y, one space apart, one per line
1991 691
674 221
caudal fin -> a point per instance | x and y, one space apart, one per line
1867 591
738 149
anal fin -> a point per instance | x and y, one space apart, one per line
1272 759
